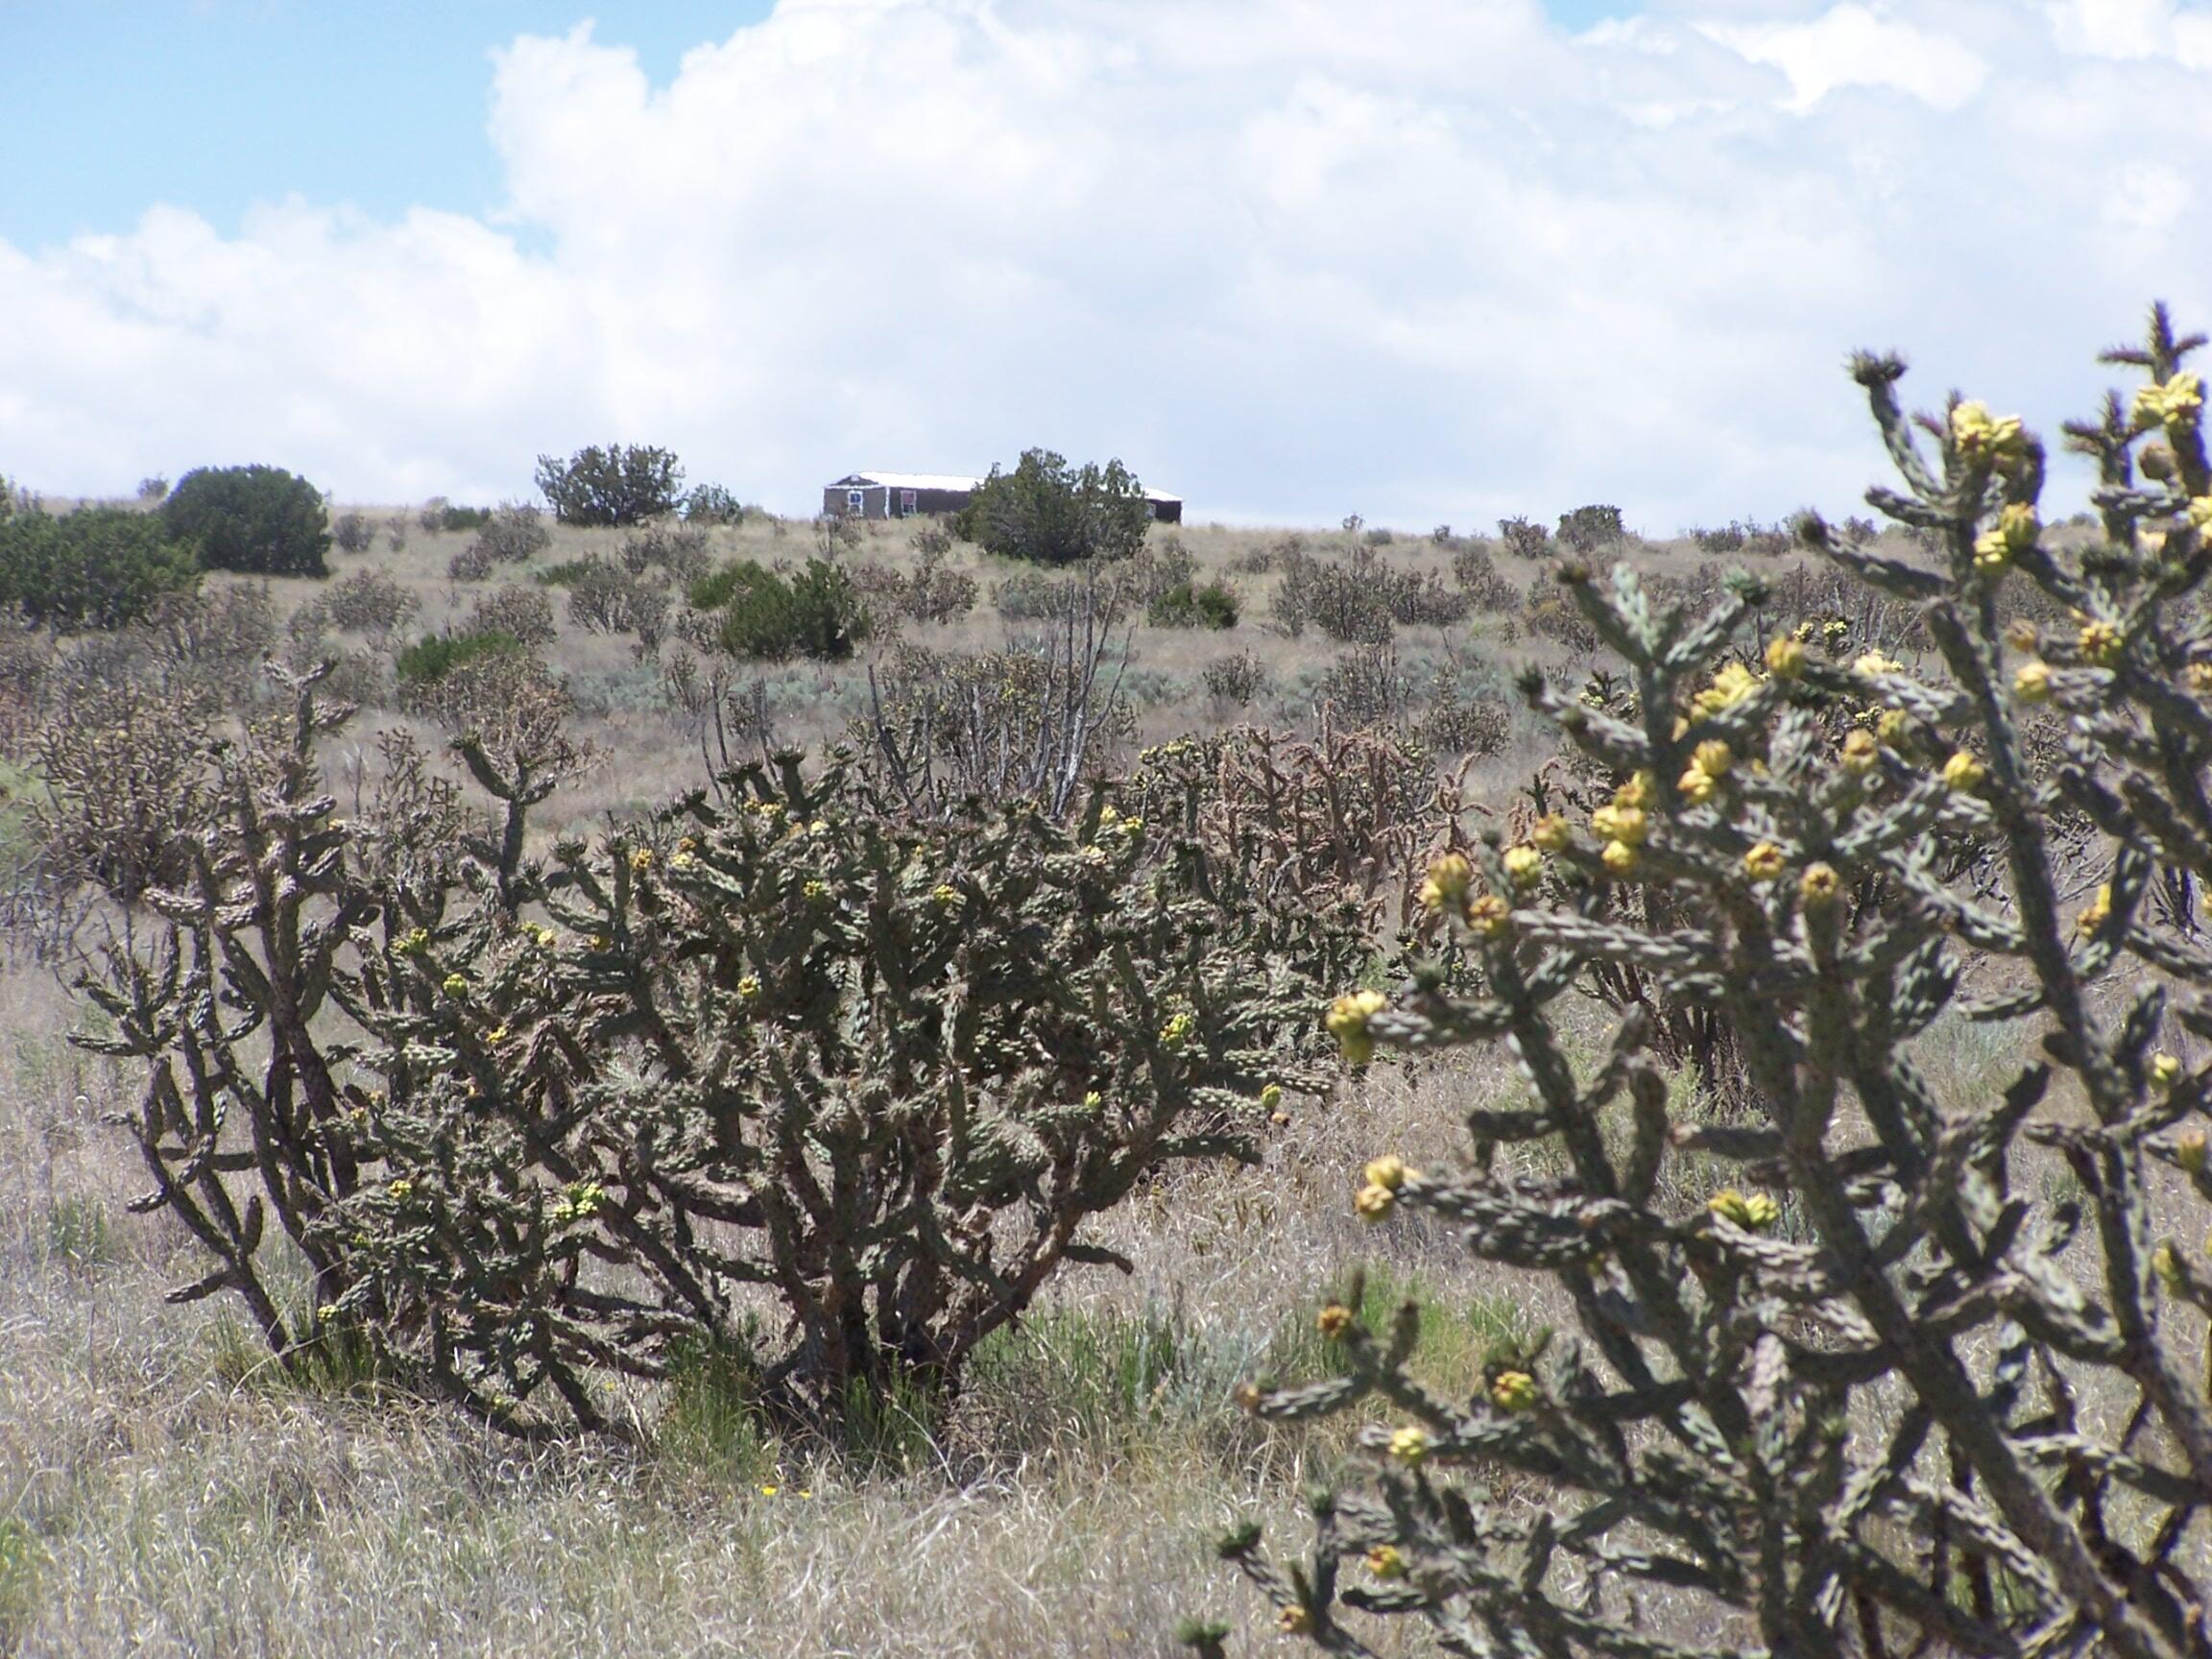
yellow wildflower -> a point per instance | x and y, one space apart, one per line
815 891
1730 687
401 1188
749 987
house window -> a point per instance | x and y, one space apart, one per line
855 500
905 503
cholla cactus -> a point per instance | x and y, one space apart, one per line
1846 1375
527 1123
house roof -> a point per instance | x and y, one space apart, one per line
943 481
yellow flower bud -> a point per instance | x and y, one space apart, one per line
1513 1391
1620 857
1639 792
1874 662
1552 832
1784 657
2031 682
1347 1022
641 860
1449 878
1991 551
1373 1203
1712 758
1409 1446
1616 823
1763 862
1387 1171
1490 916
1295 1622
1386 1562
1696 787
1860 751
2165 1070
455 985
2100 644
1524 866
1894 727
1819 883
1963 774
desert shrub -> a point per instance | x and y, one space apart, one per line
604 598
1586 529
814 612
1034 596
434 656
712 504
395 533
1379 537
1860 1369
262 520
1476 574
675 553
123 766
431 519
1553 615
929 593
1209 605
210 642
96 568
525 1126
1365 686
351 533
569 571
511 535
369 602
1155 569
522 613
472 562
931 540
1239 680
1361 599
621 484
1728 539
1524 539
1048 512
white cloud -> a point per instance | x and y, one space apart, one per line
1423 259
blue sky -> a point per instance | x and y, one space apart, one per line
1428 260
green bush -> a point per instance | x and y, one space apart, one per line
454 519
96 568
621 484
1211 605
1048 512
1854 1368
816 613
712 504
434 656
262 520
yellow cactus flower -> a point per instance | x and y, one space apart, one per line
1332 1321
1784 657
2165 1070
680 860
1513 1391
1873 662
495 1036
1449 877
1894 727
1177 1032
326 1314
1712 758
1983 436
749 987
2100 644
1409 1446
1753 1211
2031 682
1388 1171
401 1188
2199 676
1620 857
455 985
1963 774
1347 1022
1372 1203
1696 787
1271 1096
1616 823
2167 1266
1295 1621
1386 1562
1524 866
1639 792
946 897
1730 687
641 860
1991 551
1819 883
1860 751
1763 862
815 891
415 942
1490 916
2023 635
1552 832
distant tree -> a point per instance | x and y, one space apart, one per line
621 484
259 520
97 567
1052 514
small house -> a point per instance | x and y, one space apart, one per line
909 495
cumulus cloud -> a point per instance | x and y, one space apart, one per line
1421 259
